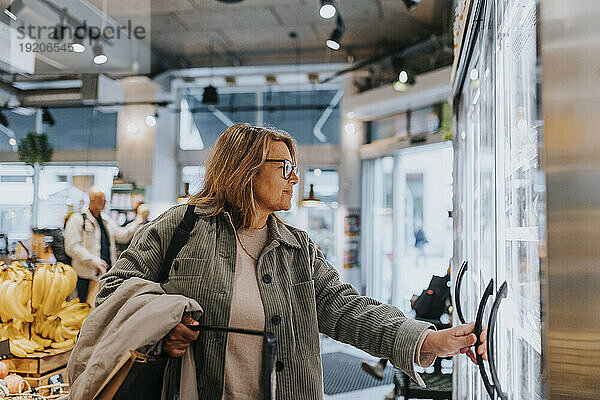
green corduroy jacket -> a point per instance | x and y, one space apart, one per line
295 282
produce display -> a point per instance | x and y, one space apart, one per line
15 387
33 310
12 384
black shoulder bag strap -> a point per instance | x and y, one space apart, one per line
145 380
178 240
84 219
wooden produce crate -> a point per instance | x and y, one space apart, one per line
37 367
36 381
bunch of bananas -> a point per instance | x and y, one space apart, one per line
51 286
62 329
33 309
18 333
15 292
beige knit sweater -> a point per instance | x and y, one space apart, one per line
243 359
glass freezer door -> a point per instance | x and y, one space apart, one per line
521 205
475 221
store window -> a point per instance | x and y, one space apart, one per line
19 125
16 199
311 117
200 125
407 232
64 188
423 243
379 225
80 128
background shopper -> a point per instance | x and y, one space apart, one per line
90 238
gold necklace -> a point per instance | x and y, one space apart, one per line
244 247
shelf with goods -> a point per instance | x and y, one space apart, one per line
124 198
38 327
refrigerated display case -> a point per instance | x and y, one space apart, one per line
499 200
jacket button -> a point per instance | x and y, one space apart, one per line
278 366
175 265
267 278
276 319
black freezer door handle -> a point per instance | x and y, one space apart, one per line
477 330
459 277
501 294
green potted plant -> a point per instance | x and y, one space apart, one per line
35 148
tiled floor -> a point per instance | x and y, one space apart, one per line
329 345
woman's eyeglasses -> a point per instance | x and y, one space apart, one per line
288 167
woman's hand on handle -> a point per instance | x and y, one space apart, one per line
180 337
456 340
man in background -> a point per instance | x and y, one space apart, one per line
90 238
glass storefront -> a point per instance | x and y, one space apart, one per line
61 188
408 235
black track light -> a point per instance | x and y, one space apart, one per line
47 117
99 54
210 95
411 4
335 40
14 9
3 120
78 46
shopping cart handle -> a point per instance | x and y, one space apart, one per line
227 329
268 362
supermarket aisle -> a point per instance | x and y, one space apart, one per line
377 392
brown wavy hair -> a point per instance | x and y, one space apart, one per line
235 159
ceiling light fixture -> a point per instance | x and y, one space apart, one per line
335 40
411 4
311 200
327 9
400 87
47 118
405 79
210 95
150 120
77 45
3 120
132 127
99 56
403 76
14 9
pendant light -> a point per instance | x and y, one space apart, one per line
311 200
210 95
